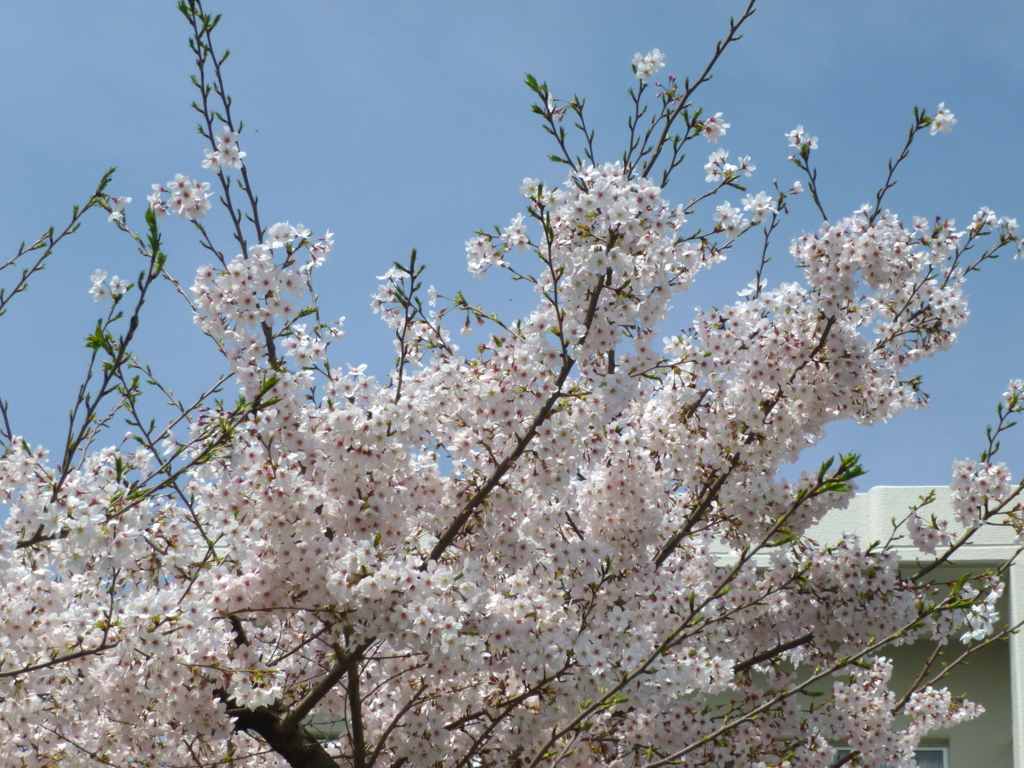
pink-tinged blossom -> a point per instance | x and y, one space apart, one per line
117 205
189 199
280 234
99 290
1013 397
714 128
118 286
929 534
942 120
982 616
156 202
226 155
759 205
717 169
481 253
977 488
729 219
530 188
514 235
319 248
984 219
556 112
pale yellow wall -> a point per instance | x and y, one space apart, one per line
987 741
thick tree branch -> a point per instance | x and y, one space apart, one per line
345 662
294 743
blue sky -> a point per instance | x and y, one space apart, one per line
406 124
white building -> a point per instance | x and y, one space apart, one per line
994 676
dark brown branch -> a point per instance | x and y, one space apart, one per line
355 709
295 744
772 652
709 496
345 662
829 322
59 660
920 121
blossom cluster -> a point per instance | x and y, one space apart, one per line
647 65
189 199
943 120
101 289
718 170
801 140
227 155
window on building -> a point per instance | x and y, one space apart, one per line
926 757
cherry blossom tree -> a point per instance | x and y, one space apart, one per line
572 545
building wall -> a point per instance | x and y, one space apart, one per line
994 676
987 741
